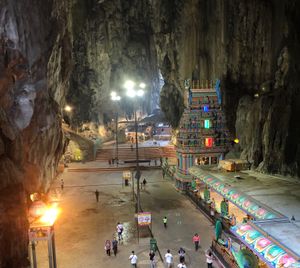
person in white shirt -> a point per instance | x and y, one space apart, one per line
169 259
209 259
133 259
120 231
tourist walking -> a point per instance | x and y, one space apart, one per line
181 254
107 247
133 259
120 231
114 244
165 220
209 259
181 265
144 183
152 260
62 184
169 259
196 240
212 207
97 195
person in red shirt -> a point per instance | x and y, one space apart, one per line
196 240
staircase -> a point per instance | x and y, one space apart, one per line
128 154
169 151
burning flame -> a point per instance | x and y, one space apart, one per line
50 214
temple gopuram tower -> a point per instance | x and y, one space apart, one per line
203 138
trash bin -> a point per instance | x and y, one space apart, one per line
126 182
153 244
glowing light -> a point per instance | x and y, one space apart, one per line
208 142
206 124
68 108
34 197
236 140
129 85
140 93
114 96
131 93
37 209
142 85
50 215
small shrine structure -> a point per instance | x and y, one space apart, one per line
202 138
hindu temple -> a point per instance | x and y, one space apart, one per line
202 137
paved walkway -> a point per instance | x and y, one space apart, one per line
84 224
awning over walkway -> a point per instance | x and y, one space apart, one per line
272 252
248 204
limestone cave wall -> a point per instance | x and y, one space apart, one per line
35 60
252 46
112 43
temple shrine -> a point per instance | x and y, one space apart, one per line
202 138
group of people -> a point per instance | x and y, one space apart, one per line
181 251
181 255
108 245
168 258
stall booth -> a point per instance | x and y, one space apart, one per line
265 237
228 203
275 242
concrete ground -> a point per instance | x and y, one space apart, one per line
84 225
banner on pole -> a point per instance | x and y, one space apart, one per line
144 218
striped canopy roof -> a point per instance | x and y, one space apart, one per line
271 252
240 199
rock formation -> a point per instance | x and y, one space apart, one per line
112 43
35 46
252 46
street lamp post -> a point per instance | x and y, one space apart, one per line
138 172
115 97
117 142
133 93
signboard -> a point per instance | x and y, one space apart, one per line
127 175
144 218
39 234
